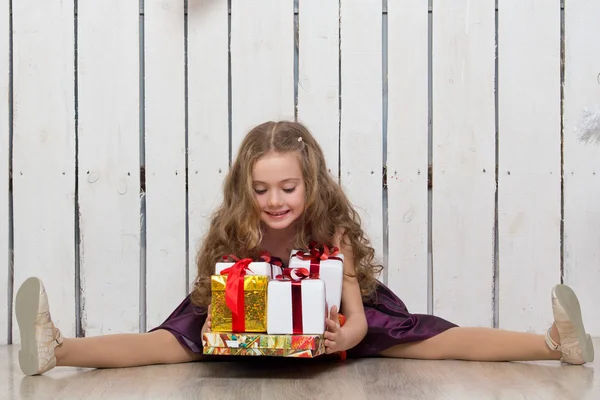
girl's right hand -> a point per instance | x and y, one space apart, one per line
207 324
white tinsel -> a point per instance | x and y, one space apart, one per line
588 127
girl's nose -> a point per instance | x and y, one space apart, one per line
274 199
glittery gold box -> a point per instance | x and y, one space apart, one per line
254 305
242 344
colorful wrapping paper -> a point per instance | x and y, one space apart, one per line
254 304
299 346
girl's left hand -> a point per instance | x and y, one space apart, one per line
335 336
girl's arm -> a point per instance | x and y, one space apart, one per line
355 328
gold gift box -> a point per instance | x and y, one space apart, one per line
255 304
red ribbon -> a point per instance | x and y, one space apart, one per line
234 292
296 276
316 253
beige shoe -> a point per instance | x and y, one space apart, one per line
39 337
576 346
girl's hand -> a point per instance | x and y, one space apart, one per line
207 324
335 336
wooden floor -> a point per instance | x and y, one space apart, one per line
255 378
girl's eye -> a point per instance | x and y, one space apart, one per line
260 191
291 190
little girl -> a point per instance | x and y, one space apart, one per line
278 196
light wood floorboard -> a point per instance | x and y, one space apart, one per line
254 378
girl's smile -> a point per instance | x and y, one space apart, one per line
277 215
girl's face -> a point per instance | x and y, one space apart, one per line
279 189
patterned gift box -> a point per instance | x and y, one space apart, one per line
251 304
243 344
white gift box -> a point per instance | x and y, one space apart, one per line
308 310
254 268
331 271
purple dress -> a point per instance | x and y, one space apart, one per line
390 323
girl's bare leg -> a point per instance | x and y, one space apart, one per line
43 347
123 350
479 344
567 339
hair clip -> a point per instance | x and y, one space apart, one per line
299 138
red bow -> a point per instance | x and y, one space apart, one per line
316 253
296 274
266 257
234 292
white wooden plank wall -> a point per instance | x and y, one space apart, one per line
529 166
208 116
44 152
463 160
581 161
407 152
361 113
109 177
164 96
262 64
4 146
212 74
318 76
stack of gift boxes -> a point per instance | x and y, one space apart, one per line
260 308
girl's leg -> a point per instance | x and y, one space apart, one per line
479 344
566 340
123 350
43 347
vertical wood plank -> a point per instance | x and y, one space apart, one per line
109 168
208 116
262 64
361 114
407 147
463 208
44 153
318 75
165 158
4 175
529 168
581 161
